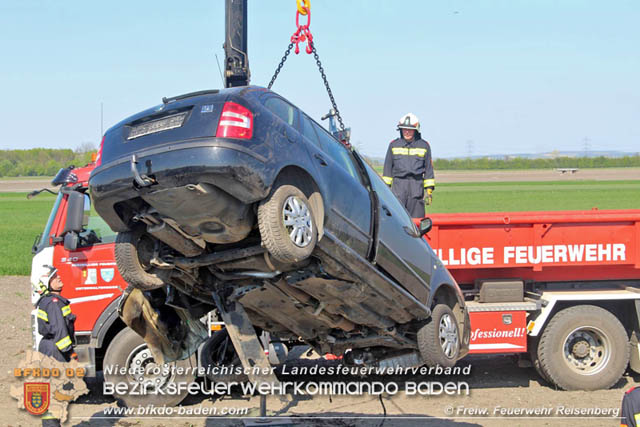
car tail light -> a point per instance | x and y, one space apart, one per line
236 121
98 160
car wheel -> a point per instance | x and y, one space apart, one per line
221 360
286 224
439 340
133 252
128 360
584 347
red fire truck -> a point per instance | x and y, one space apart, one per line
86 264
562 288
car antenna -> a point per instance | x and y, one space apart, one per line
219 69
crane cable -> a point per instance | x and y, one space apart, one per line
301 35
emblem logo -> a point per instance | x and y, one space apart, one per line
107 274
36 398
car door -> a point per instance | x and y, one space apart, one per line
400 251
348 204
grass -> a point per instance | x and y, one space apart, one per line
535 196
21 219
23 178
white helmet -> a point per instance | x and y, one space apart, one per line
409 121
46 278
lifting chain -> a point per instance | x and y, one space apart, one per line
326 84
282 61
303 34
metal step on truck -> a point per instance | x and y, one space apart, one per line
563 287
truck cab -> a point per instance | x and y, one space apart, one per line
80 245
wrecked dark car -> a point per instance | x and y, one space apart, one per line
235 197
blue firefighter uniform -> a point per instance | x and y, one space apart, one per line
408 169
56 325
630 416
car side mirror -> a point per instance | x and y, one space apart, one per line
71 241
75 212
425 226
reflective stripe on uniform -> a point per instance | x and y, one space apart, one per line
66 310
43 315
420 152
387 180
400 150
64 342
429 182
403 151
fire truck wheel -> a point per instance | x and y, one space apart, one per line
287 225
535 360
439 340
218 353
134 251
584 348
128 350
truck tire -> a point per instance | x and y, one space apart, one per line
584 347
218 352
439 340
128 350
535 360
286 224
133 252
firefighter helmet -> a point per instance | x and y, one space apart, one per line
409 121
45 279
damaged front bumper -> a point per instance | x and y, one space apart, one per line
171 333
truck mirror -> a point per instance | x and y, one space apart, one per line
425 226
75 212
71 241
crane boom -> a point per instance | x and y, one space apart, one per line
236 61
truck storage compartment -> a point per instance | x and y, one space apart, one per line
561 246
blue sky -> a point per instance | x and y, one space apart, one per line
484 77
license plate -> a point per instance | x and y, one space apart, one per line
157 125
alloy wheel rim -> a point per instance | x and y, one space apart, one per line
448 335
297 221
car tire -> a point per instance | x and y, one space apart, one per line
132 253
439 340
128 350
218 352
287 225
583 347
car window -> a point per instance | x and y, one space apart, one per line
281 109
388 199
95 229
337 151
307 131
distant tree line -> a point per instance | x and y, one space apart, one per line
41 161
486 163
47 162
544 163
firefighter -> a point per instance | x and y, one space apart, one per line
408 168
631 408
55 320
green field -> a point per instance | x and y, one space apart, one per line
21 219
535 196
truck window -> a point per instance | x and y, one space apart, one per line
95 229
43 242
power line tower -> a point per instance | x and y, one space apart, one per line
586 144
470 148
